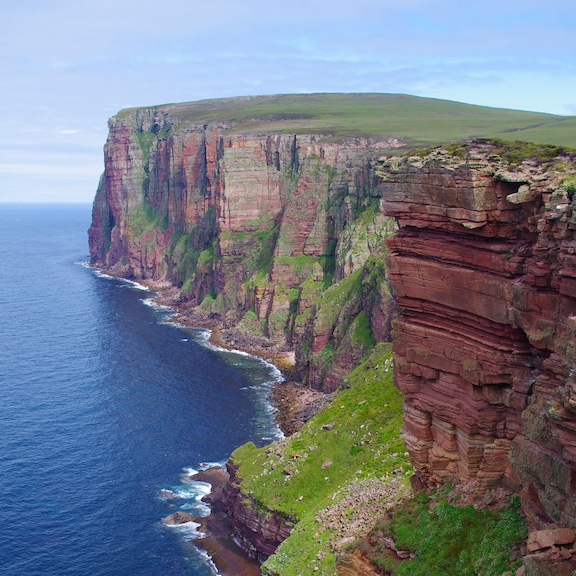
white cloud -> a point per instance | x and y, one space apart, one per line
63 171
75 63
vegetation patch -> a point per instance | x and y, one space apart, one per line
447 540
145 140
334 299
355 439
517 151
145 218
569 184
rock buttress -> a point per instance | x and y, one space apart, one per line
251 228
259 531
483 270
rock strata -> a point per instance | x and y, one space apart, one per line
251 228
483 272
257 529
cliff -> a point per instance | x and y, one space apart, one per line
252 229
259 530
484 275
287 239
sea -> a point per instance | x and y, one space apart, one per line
107 408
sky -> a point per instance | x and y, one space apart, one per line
67 66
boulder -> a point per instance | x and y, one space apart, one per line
541 539
178 518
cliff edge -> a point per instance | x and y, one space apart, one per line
484 275
317 243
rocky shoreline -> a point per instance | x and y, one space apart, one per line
293 403
228 557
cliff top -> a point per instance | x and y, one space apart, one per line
414 120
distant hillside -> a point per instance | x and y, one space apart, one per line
418 121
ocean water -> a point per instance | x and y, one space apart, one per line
106 408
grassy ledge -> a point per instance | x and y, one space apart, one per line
446 540
345 464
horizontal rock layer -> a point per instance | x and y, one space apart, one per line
258 530
483 272
252 228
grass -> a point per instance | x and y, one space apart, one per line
332 302
145 219
450 540
363 444
419 121
569 184
516 151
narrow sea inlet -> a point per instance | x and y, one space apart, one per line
106 409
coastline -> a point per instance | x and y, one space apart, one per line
293 405
229 558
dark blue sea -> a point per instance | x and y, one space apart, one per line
106 409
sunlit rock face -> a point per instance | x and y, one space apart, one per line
483 269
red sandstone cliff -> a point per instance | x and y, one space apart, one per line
258 530
484 273
283 236
251 228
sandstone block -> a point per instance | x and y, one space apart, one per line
542 539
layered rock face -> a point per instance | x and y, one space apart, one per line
258 530
251 228
484 272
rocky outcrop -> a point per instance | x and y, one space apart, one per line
257 529
284 236
251 228
354 564
483 270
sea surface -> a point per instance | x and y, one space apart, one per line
106 409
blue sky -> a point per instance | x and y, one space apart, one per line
68 65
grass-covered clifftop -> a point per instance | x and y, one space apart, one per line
417 121
348 461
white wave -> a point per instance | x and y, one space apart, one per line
168 322
208 465
188 490
199 509
204 339
188 530
185 493
135 284
201 488
206 557
153 304
166 494
190 471
201 335
101 274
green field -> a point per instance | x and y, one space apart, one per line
417 121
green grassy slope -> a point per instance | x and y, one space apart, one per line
419 121
561 132
352 442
